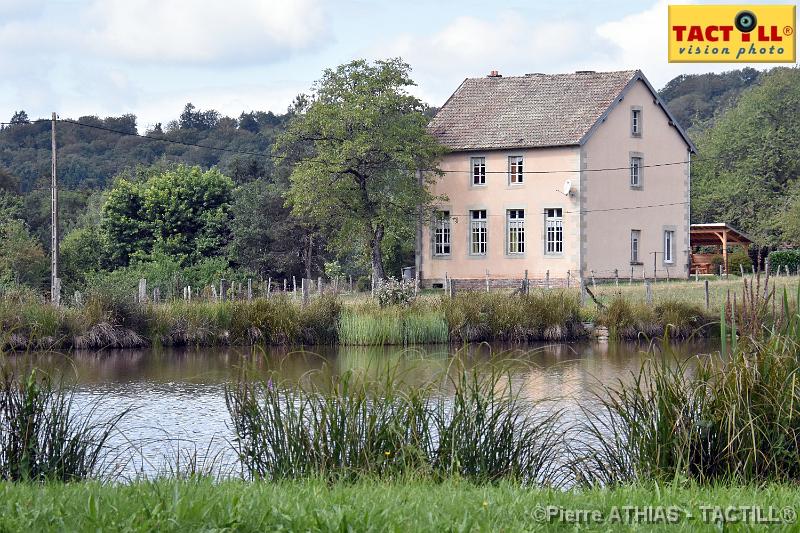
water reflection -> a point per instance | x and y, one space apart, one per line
176 396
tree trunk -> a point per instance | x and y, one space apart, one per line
377 255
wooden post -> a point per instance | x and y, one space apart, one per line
630 282
487 280
268 292
568 276
525 283
787 271
616 277
741 269
594 285
294 285
249 289
214 292
319 285
189 292
696 276
725 251
644 273
546 279
142 290
55 283
446 284
667 269
304 288
708 303
648 294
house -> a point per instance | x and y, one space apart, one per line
561 177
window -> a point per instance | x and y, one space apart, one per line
554 231
515 169
478 170
441 233
636 237
636 121
669 237
636 171
477 232
516 231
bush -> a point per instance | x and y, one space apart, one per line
739 260
716 262
394 292
780 259
363 284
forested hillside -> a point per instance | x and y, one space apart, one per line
695 99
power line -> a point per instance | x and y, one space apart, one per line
581 211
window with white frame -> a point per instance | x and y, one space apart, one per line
515 173
554 231
636 171
441 233
636 121
669 239
636 238
478 170
516 231
477 232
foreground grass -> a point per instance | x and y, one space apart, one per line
365 506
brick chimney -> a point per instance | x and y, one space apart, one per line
494 74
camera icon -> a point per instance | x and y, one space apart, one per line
745 21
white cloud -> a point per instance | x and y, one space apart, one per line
204 31
509 42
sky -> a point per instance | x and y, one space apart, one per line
151 57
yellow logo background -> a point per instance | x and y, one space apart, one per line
703 23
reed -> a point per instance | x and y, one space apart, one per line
629 319
731 417
472 427
371 325
41 438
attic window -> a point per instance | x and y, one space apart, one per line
636 121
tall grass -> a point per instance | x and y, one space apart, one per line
732 417
629 319
541 315
371 325
41 438
473 427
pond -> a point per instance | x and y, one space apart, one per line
176 397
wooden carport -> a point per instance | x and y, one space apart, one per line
715 234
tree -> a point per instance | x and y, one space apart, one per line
20 117
357 143
181 212
83 251
749 161
22 259
265 237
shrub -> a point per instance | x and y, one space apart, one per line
739 260
394 292
364 284
780 259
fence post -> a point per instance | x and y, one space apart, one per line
142 290
304 290
487 280
648 296
594 285
294 285
568 278
616 277
525 283
631 280
223 290
667 269
446 284
547 279
319 285
249 289
696 276
741 269
707 299
189 292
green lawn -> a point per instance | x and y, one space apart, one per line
372 506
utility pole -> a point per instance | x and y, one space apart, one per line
55 282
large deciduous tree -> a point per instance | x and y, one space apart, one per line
356 144
183 213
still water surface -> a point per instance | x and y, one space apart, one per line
176 397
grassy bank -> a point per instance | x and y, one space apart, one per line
313 505
106 320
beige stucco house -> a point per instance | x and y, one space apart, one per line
565 176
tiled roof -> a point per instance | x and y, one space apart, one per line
535 110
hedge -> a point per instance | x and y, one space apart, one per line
780 259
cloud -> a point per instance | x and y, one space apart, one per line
508 42
204 31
